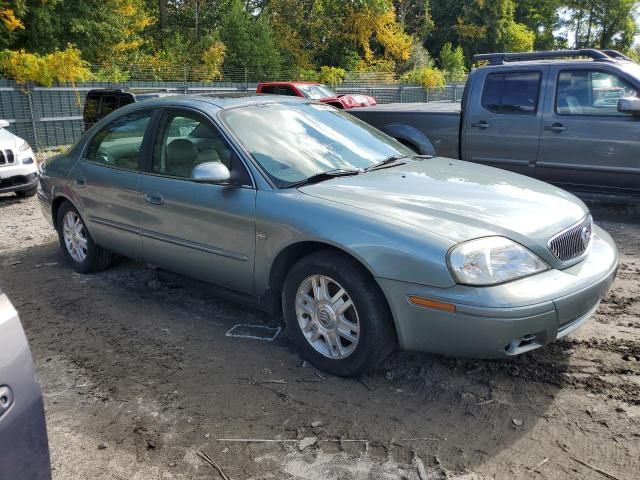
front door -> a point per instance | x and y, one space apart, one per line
586 144
105 183
201 230
502 129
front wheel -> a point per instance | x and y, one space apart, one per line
337 315
78 247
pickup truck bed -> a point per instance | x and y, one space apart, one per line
404 121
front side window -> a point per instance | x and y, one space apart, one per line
512 92
186 139
119 143
293 141
590 92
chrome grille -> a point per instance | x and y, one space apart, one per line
573 241
7 158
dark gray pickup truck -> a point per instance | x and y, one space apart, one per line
571 118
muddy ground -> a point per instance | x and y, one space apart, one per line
139 377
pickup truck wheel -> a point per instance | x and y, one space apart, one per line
26 193
78 247
336 314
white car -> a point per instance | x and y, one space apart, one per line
18 167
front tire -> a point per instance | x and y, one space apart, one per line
337 315
79 249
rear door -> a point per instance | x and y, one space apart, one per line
502 124
24 449
105 183
586 144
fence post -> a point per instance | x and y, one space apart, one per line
32 116
186 82
401 94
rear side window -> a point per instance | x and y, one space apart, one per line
267 89
512 92
91 108
119 143
109 104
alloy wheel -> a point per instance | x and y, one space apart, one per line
327 317
75 236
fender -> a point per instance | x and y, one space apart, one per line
412 136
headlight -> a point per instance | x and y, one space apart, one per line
492 260
24 147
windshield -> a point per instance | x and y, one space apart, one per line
294 141
316 91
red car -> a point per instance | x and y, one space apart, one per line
316 91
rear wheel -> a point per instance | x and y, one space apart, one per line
78 247
336 314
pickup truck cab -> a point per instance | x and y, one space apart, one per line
556 116
316 91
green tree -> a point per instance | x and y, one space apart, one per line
602 23
452 62
249 40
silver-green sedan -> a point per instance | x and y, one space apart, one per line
360 244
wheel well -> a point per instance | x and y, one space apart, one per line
55 207
409 144
286 259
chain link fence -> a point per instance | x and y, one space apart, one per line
52 116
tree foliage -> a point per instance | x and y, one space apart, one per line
202 39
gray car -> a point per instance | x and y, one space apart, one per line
358 242
24 448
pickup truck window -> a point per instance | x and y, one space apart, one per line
512 92
591 92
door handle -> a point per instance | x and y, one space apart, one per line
556 127
6 399
482 124
154 198
80 182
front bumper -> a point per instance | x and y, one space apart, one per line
18 183
507 319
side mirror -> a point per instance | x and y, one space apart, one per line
211 172
4 124
629 105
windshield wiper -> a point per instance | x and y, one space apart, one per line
322 176
387 162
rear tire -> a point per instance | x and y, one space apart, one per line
79 249
26 193
347 330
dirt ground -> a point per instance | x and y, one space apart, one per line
139 377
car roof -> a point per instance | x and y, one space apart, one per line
297 82
562 63
223 101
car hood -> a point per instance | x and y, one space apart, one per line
459 200
7 139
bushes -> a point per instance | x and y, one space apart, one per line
428 77
60 66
